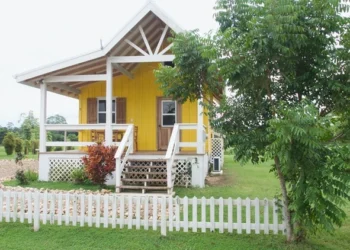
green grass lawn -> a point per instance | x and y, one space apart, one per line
4 156
238 181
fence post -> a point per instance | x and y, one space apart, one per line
163 216
36 211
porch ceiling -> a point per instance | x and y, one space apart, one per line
150 21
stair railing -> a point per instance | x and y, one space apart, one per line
173 148
126 147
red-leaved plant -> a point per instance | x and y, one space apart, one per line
99 163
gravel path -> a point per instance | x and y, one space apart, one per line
8 168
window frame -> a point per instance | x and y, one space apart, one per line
162 113
98 99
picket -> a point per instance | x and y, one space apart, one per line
167 212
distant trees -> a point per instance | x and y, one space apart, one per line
25 138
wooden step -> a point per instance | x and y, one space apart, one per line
144 173
140 167
144 187
145 180
140 160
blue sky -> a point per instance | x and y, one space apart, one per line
38 32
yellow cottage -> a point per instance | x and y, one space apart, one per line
161 143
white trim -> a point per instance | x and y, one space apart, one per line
109 102
123 70
166 49
161 39
75 78
43 104
141 59
172 114
100 53
200 130
145 40
73 144
136 47
64 87
81 127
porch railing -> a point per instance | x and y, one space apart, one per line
126 146
77 128
175 144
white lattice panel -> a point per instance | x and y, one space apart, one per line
61 169
182 177
217 149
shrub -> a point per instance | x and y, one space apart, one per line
35 146
18 145
31 175
9 143
27 147
21 177
50 148
58 148
99 163
79 175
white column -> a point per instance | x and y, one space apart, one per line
200 131
109 90
43 103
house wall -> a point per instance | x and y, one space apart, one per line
141 106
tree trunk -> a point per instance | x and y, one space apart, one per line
289 229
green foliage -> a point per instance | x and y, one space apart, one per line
9 143
194 76
18 145
79 175
34 146
21 177
31 175
273 55
317 172
29 127
58 148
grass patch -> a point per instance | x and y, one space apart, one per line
4 156
238 181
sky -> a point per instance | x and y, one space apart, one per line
34 33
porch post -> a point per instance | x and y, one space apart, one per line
109 90
43 103
200 132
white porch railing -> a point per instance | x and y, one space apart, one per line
127 142
175 144
77 128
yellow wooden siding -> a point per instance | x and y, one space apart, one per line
141 105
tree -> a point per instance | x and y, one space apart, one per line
3 131
287 65
9 143
18 145
29 127
56 119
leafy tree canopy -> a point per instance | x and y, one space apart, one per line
287 65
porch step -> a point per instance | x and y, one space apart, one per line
144 187
141 167
144 173
145 180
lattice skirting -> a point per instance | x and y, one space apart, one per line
61 169
182 178
217 149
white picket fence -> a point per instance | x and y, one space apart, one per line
164 212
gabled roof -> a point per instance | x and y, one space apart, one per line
150 18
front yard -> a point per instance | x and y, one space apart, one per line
238 181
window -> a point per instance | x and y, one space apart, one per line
168 113
101 111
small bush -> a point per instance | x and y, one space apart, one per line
79 175
99 163
31 175
9 143
18 145
21 177
58 148
27 147
35 146
50 148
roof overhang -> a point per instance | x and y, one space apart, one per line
145 33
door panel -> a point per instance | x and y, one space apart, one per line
168 113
